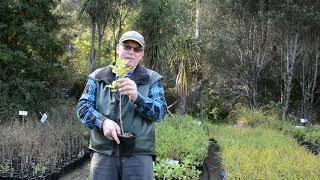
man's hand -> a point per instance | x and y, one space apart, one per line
111 130
128 87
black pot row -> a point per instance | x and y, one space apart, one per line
53 174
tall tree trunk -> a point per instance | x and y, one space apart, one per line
291 56
91 59
317 57
255 93
182 88
115 42
303 88
117 34
198 19
198 32
100 35
309 74
101 29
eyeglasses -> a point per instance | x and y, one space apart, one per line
135 49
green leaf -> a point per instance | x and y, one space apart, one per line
120 69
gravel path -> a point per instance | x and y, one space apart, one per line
212 164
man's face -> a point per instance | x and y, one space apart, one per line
130 51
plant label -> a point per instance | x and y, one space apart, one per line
44 117
172 161
23 113
303 120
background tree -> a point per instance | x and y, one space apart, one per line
252 52
29 54
90 7
153 21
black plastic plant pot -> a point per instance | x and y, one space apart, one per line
127 144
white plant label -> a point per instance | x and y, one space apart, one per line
23 113
44 117
304 120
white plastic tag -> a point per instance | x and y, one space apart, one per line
23 113
44 118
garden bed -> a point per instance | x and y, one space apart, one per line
262 153
182 145
34 150
308 137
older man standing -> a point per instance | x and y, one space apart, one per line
143 104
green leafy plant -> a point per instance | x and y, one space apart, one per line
120 69
165 170
5 169
38 169
309 137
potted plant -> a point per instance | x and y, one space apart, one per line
127 139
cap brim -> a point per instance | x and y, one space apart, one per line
132 39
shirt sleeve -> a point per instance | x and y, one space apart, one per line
86 112
154 106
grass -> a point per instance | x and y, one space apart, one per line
180 138
245 116
260 153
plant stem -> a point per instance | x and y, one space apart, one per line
121 116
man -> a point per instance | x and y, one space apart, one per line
143 103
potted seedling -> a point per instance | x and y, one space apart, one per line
127 139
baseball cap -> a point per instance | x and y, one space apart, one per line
134 36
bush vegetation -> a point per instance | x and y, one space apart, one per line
245 116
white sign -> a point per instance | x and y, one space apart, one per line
304 120
172 161
44 117
23 113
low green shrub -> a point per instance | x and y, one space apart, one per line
259 153
308 136
180 138
166 170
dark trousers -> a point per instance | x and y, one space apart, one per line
109 167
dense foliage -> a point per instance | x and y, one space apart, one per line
308 137
263 52
29 51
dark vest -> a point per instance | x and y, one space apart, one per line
108 105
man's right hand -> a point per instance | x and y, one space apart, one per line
111 130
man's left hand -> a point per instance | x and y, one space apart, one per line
128 87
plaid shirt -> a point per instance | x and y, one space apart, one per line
152 107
